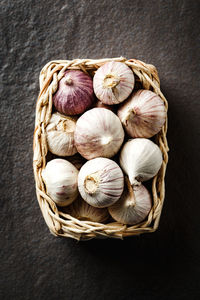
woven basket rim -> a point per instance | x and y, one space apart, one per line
59 223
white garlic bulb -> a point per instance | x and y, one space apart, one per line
100 182
79 209
140 159
113 82
60 135
133 206
143 114
61 181
98 133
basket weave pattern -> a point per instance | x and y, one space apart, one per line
62 224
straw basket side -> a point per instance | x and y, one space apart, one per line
62 224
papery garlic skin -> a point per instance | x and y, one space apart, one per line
60 135
132 208
98 133
113 82
100 182
80 210
61 181
143 114
140 159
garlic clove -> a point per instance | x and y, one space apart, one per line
113 82
98 133
80 210
61 181
60 135
140 159
133 206
75 93
143 114
100 182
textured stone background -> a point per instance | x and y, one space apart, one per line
35 264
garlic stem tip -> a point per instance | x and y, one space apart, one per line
106 140
68 80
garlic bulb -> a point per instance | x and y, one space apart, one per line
100 182
113 82
60 135
98 133
140 159
60 178
75 93
79 209
143 114
133 206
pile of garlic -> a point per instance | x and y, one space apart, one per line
109 124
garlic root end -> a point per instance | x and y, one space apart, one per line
91 183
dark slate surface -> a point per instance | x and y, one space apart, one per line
35 264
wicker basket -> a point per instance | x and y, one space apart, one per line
59 223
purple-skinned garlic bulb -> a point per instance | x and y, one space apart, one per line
113 82
100 182
133 206
61 181
98 133
143 114
74 94
60 135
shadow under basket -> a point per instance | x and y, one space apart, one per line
59 223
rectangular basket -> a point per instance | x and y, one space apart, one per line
59 223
